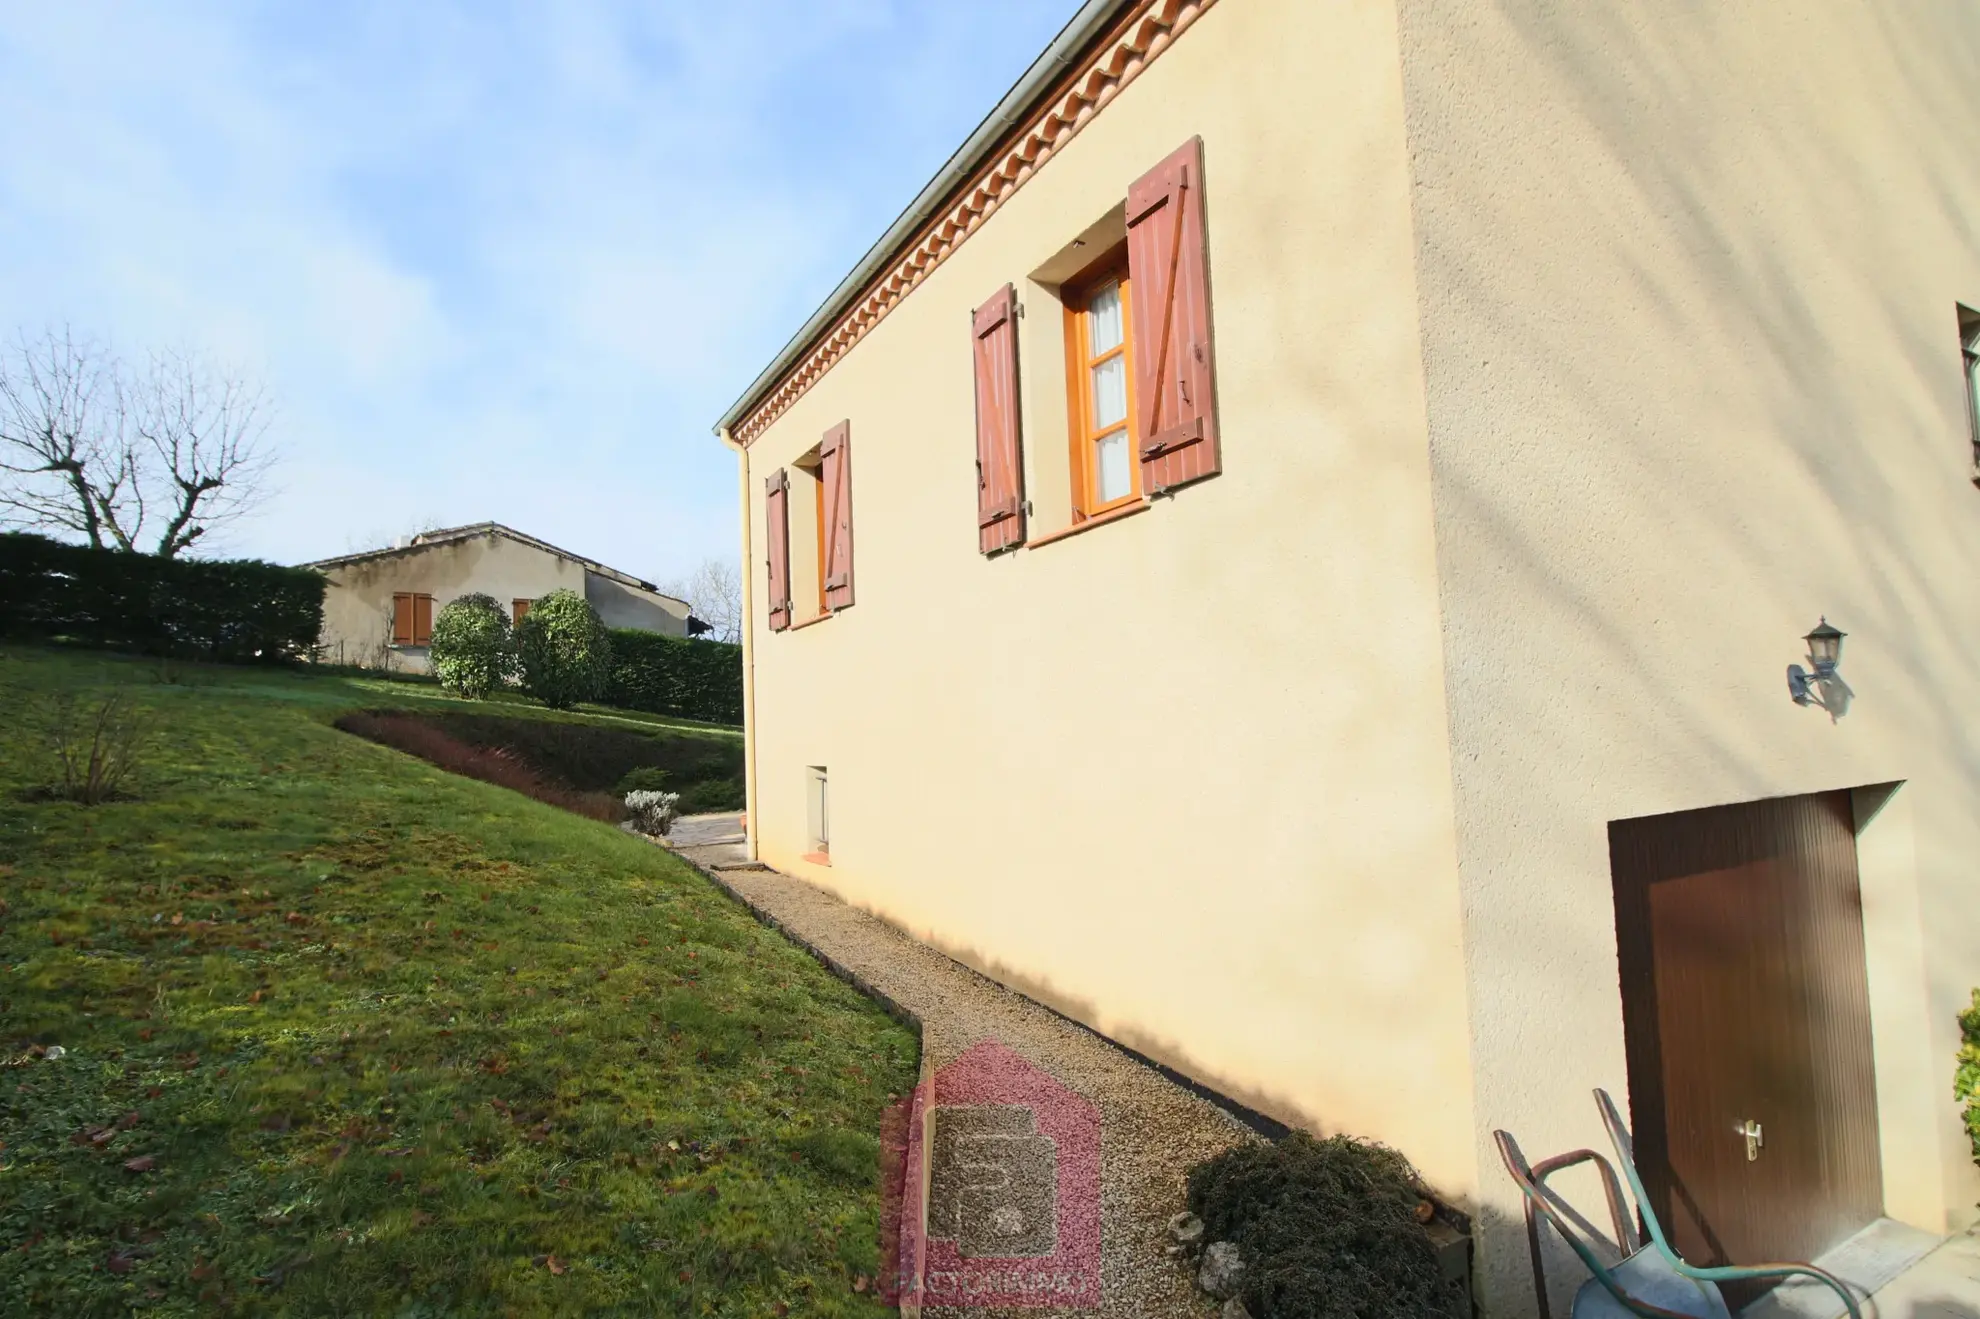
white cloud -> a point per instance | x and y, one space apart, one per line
502 262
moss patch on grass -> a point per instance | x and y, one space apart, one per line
344 1034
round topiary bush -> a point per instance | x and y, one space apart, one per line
1326 1229
563 650
472 650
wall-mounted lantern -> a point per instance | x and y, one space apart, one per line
1824 688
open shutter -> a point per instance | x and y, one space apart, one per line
1175 388
999 457
777 524
422 620
835 475
402 620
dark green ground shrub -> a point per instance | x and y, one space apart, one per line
647 778
472 650
705 768
677 676
1327 1229
233 610
563 651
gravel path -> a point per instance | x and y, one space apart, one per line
1151 1129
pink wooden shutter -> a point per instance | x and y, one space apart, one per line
835 474
777 523
999 454
1175 387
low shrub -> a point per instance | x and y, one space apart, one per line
472 650
653 812
647 778
563 651
711 795
1327 1229
97 747
418 736
1966 1081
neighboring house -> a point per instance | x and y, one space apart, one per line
380 607
1337 487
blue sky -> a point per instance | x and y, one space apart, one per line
493 260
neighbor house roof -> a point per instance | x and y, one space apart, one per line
445 535
1103 48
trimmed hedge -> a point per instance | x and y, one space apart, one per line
231 610
677 676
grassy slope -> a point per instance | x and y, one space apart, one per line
399 1042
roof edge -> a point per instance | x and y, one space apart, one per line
1091 19
427 540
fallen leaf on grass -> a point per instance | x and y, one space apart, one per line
142 1163
119 1262
550 1262
859 1282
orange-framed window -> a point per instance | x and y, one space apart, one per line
412 619
818 519
1100 387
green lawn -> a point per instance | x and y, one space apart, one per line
348 1035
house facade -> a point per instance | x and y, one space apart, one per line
1287 552
379 609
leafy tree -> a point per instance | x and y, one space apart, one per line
564 651
472 649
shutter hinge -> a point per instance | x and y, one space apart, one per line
1027 508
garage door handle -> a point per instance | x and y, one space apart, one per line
1751 1131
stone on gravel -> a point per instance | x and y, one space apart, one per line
1186 1229
1234 1309
1223 1270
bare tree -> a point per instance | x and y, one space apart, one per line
64 438
714 595
93 449
205 433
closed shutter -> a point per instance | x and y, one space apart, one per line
402 620
422 620
519 608
835 475
1168 261
999 455
777 523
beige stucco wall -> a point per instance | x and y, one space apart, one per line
1686 279
1183 775
357 609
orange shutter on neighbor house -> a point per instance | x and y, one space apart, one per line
999 457
422 620
777 523
402 620
1168 261
835 475
518 608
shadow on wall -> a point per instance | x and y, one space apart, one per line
1688 330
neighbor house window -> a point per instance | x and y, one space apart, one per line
518 608
818 824
412 619
1099 388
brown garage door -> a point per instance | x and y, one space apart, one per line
1740 935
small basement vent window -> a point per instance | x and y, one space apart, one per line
818 822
